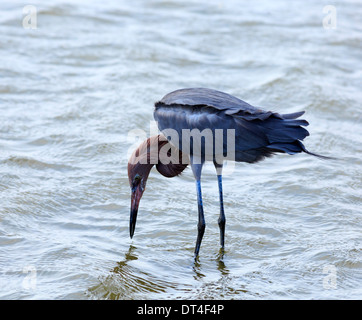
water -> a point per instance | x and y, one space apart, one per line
72 90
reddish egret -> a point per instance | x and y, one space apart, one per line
257 134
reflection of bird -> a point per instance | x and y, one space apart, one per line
257 134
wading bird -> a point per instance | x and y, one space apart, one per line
255 134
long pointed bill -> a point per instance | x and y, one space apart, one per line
135 200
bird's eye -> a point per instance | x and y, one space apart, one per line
137 178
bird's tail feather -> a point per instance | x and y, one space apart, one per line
294 115
286 135
296 147
315 154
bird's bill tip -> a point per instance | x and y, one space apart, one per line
135 199
132 222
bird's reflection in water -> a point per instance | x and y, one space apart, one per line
214 283
136 280
128 281
220 263
197 270
135 277
129 256
197 266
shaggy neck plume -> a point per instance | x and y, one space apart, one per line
156 150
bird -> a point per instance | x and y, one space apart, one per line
254 133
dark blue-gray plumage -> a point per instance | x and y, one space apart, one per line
258 134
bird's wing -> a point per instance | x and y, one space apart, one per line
206 97
256 130
220 101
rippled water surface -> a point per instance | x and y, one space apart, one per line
73 89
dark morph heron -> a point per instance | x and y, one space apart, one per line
257 134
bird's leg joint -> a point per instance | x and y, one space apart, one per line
222 220
201 226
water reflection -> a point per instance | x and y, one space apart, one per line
129 256
220 263
135 277
130 280
200 270
198 275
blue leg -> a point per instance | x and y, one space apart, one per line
201 224
196 169
222 218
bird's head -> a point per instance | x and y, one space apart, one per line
148 154
137 176
139 167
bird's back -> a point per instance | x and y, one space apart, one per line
206 97
258 133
